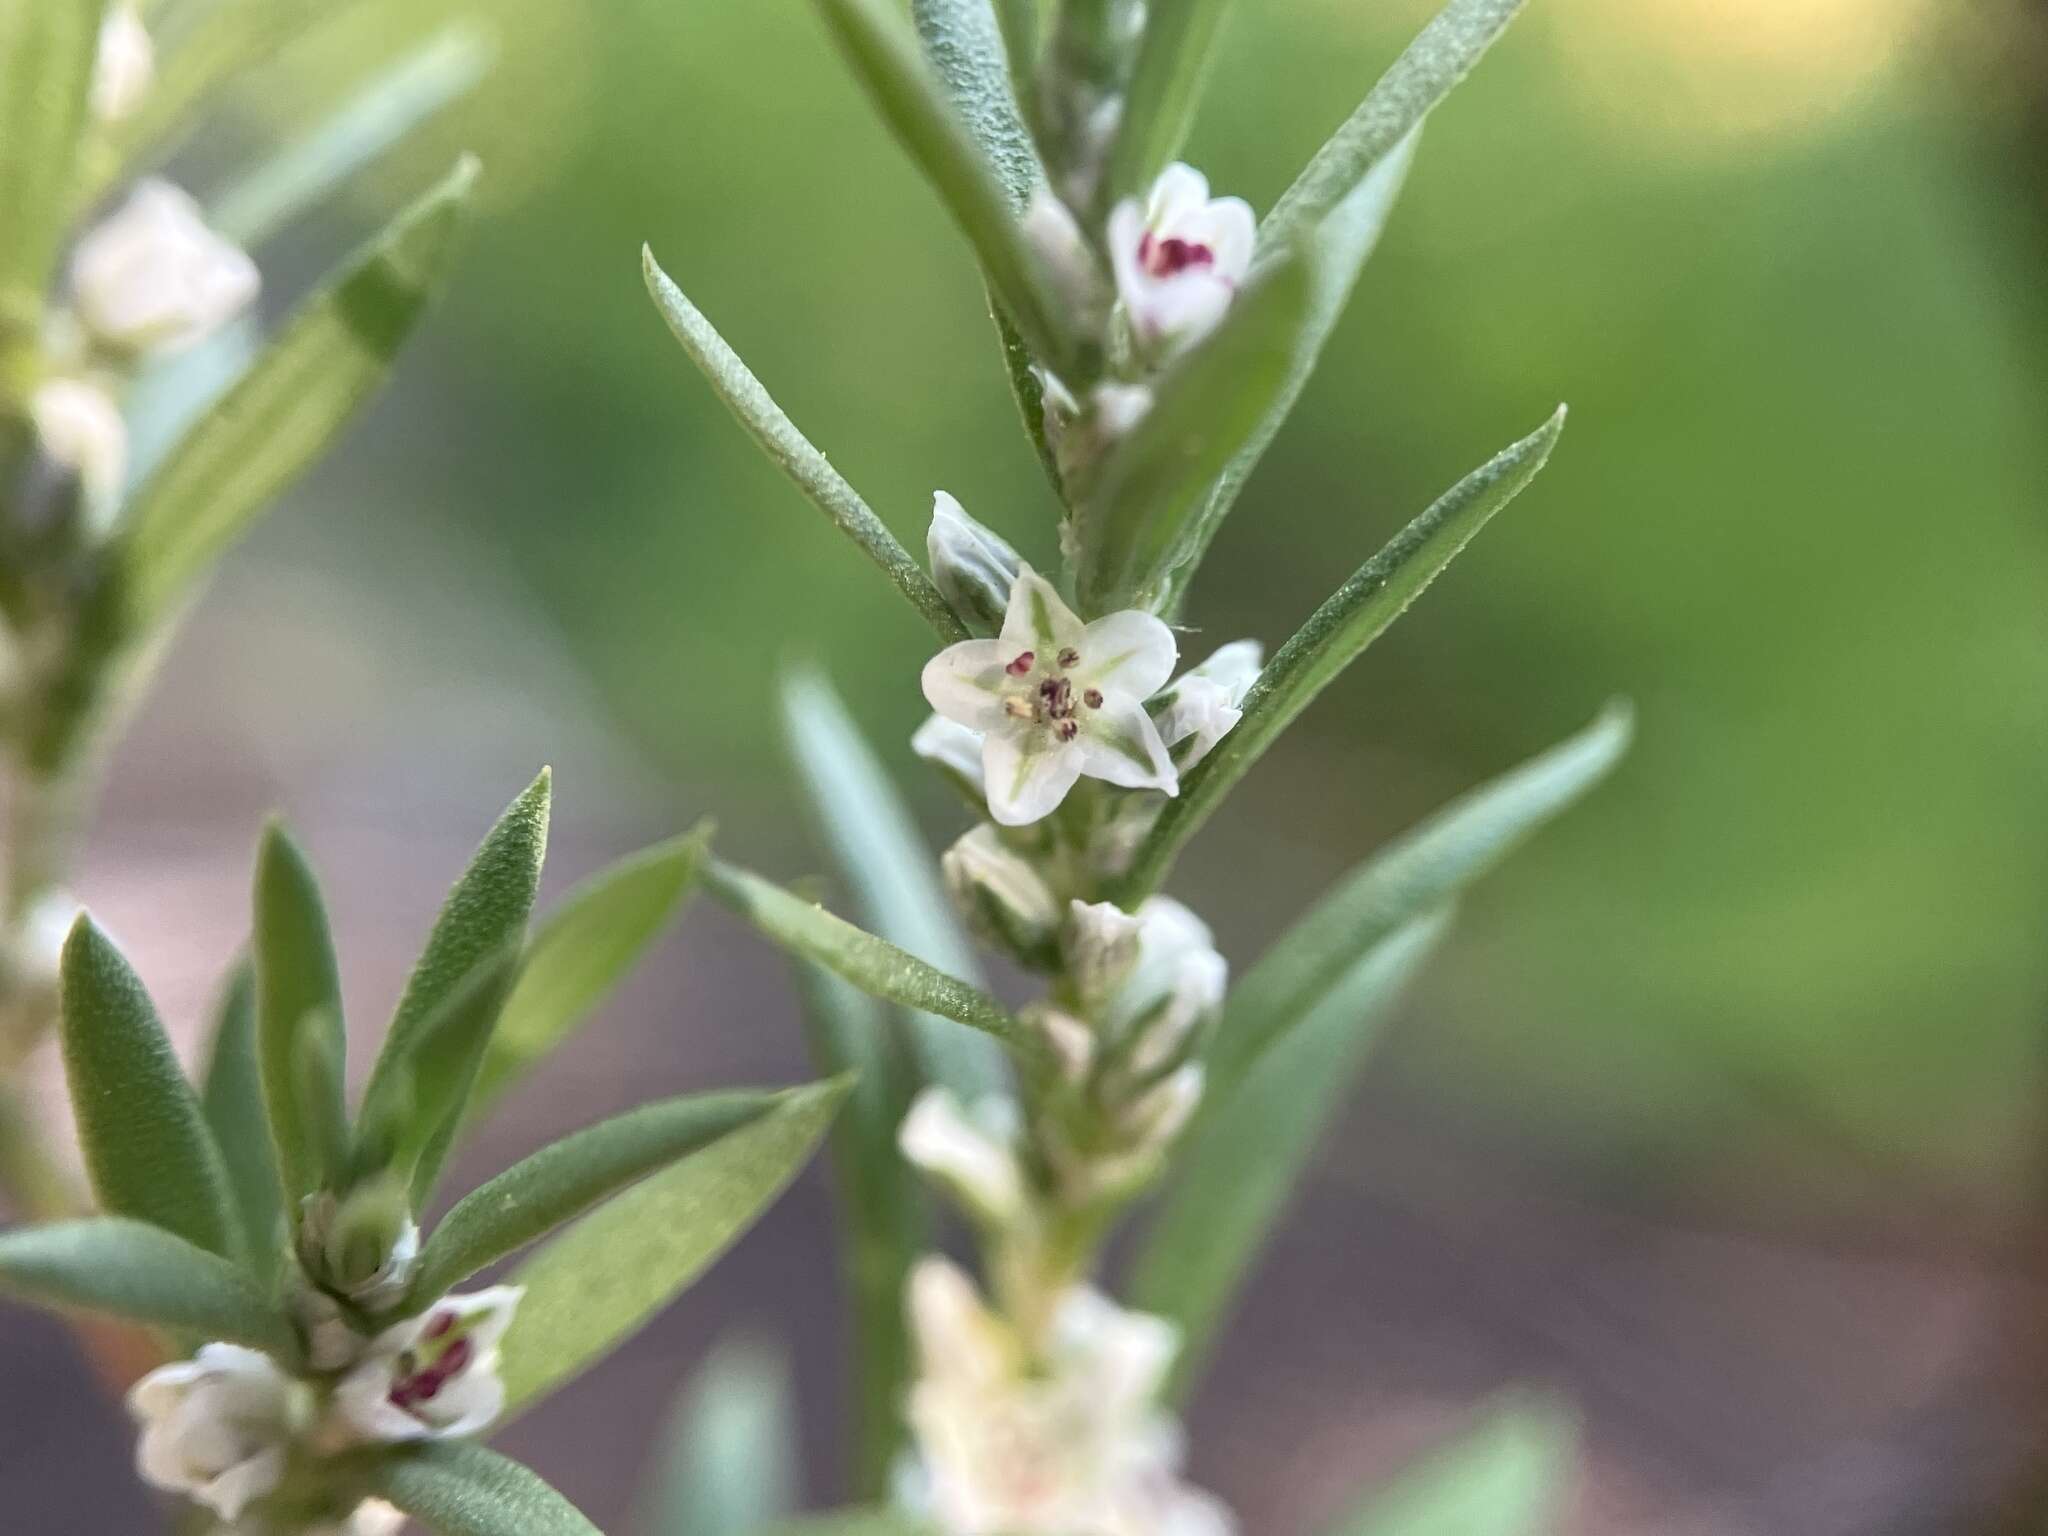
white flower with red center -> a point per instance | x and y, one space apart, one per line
153 278
215 1428
124 67
431 1377
1179 258
1054 699
1071 1443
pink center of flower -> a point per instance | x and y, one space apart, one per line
1053 702
1172 255
420 1381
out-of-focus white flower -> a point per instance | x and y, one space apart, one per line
80 427
125 67
153 278
215 1427
1069 1444
372 1517
431 1377
973 567
1051 230
1002 896
1206 702
967 1154
1070 1039
1055 698
1179 257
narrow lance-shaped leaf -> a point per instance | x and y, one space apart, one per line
1355 615
298 989
854 1522
964 41
1166 86
582 952
881 1207
1506 1476
291 404
874 965
1248 1156
46 60
375 120
562 1181
482 924
728 1462
129 1269
1343 244
460 1489
884 53
1443 53
877 848
231 1096
1137 516
593 1286
813 473
145 1139
1417 872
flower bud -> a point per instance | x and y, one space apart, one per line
966 1154
1002 897
973 567
153 278
1156 1117
1100 946
1204 703
125 66
362 1247
1077 277
1070 1040
216 1428
80 428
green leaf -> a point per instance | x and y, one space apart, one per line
792 452
300 1041
1343 244
874 965
853 1522
1442 54
883 51
1166 85
131 1270
461 1489
1507 1476
1416 873
964 42
47 49
231 1096
583 950
1355 615
728 1461
290 406
380 116
879 852
881 1208
1238 1169
1137 515
564 1180
145 1139
479 931
596 1284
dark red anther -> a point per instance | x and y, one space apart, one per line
1022 664
1070 658
1092 698
456 1361
437 1325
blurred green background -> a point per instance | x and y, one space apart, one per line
1750 1043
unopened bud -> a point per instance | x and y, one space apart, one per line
1077 276
970 1155
972 566
362 1246
1071 1041
1002 897
1100 946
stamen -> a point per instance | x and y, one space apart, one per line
1070 658
1023 664
1092 698
1066 729
439 1324
1018 709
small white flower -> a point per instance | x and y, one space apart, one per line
973 567
1002 896
1205 703
1070 1444
80 427
1055 698
1179 258
153 278
125 66
431 1377
966 1153
215 1427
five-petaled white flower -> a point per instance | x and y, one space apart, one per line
153 278
1055 698
1179 258
80 427
125 66
1070 1444
215 1428
431 1377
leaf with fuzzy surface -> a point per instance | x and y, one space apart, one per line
964 41
298 986
1166 86
1355 615
147 1146
459 1489
231 1095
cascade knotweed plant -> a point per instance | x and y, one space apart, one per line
1155 336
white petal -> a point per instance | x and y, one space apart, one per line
1120 745
1037 621
1179 192
1125 232
243 1484
1131 653
939 1137
1029 774
958 1339
488 1313
1182 309
470 1404
1123 1356
1235 666
80 427
950 747
1228 228
964 683
125 66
